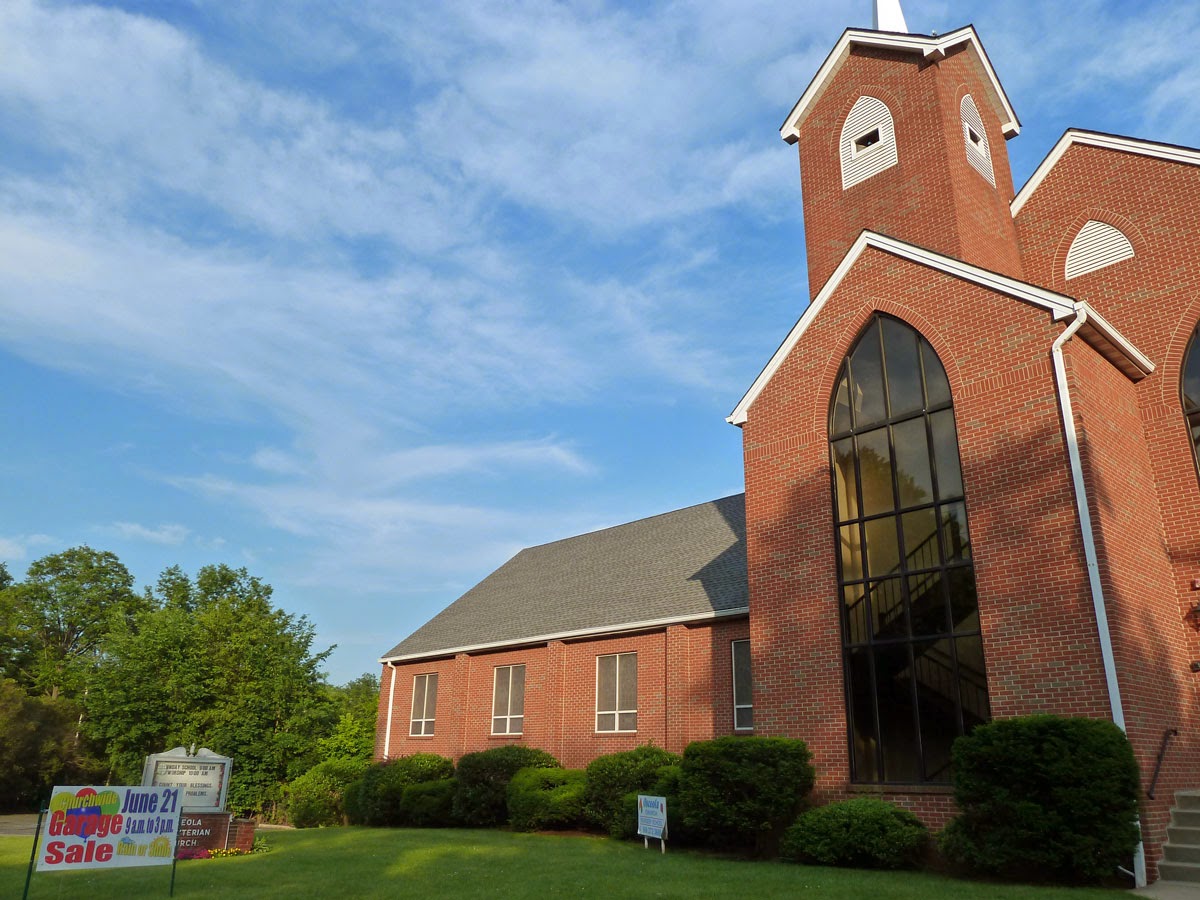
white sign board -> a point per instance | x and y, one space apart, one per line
108 827
652 816
202 779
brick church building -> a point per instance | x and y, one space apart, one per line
972 476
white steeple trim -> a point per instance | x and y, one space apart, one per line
929 47
889 16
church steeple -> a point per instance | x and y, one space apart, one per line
889 17
903 134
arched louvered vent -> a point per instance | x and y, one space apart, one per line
979 153
1097 245
868 144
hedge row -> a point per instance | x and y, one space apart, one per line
1041 798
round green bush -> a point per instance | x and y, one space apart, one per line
610 778
376 800
317 797
666 784
429 804
741 792
546 798
481 798
863 834
1044 797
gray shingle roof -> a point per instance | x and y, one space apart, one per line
678 565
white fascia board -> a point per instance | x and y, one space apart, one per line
1059 305
935 47
1167 152
599 631
1139 360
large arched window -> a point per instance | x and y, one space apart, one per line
1191 391
912 650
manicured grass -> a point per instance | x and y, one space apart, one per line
356 863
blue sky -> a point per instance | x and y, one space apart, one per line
366 297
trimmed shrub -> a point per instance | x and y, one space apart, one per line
376 799
429 804
481 798
667 785
546 798
354 799
317 797
741 792
862 833
610 778
1044 797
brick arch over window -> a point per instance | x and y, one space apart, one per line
912 650
1190 392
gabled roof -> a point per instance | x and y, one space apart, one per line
1072 136
929 47
1107 339
682 566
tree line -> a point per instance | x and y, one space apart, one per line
95 676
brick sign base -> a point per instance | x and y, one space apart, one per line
202 831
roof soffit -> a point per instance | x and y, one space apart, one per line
1102 335
925 46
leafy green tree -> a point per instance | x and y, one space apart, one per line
37 747
55 621
213 662
352 736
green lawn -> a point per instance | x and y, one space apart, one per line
397 863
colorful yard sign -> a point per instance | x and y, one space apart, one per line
108 827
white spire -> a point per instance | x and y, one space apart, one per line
889 16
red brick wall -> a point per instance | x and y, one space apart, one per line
932 197
1154 300
1039 631
684 694
1150 641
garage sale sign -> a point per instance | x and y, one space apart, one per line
108 827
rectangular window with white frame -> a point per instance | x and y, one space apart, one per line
424 705
508 700
743 687
616 692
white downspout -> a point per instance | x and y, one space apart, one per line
387 734
1089 550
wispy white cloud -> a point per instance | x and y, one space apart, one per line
425 249
16 548
167 534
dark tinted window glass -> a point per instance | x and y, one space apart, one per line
903 368
910 624
875 464
866 381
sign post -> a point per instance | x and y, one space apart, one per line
37 834
652 820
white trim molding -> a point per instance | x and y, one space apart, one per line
929 48
1072 136
1123 353
599 631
